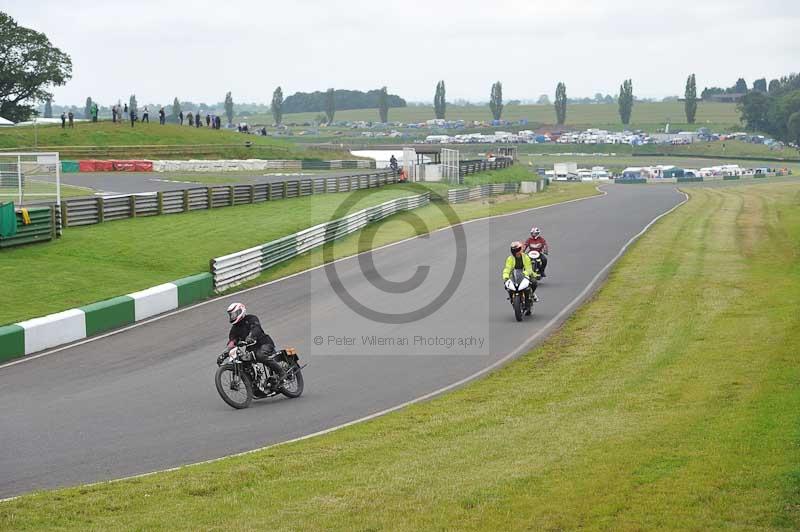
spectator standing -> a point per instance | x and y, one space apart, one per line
71 116
219 122
208 120
180 117
162 116
114 114
63 120
133 116
190 117
126 111
197 120
94 112
145 115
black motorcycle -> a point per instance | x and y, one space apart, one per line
520 293
240 378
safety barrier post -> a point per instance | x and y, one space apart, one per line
252 193
133 206
64 219
101 210
186 200
232 195
160 196
210 197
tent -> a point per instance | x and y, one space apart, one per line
5 123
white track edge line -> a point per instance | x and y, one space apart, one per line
526 345
23 359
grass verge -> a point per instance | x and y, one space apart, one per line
106 139
668 402
96 262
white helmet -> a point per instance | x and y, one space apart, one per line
236 312
535 232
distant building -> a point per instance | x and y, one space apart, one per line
727 98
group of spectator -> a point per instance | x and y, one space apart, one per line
194 120
65 116
118 111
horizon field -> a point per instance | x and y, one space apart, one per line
646 115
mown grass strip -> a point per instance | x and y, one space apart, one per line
670 401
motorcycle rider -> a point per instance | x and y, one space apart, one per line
537 243
520 261
246 328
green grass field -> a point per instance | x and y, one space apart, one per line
106 260
646 116
106 139
669 402
96 262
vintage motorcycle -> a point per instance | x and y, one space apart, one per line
520 294
240 378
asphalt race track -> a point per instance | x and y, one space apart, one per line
144 399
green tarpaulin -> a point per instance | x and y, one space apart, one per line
8 220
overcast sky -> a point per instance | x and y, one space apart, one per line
201 49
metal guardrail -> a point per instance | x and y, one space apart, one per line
460 195
43 226
88 211
233 269
482 165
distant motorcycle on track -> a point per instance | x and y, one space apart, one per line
240 378
538 260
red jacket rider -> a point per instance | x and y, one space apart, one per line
536 242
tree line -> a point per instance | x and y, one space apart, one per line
775 111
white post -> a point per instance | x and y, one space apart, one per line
58 179
19 177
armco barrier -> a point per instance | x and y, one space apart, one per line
460 195
30 336
93 210
43 227
483 165
233 269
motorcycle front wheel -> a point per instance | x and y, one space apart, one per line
517 302
234 387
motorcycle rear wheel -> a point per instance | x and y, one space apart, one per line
293 386
236 390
